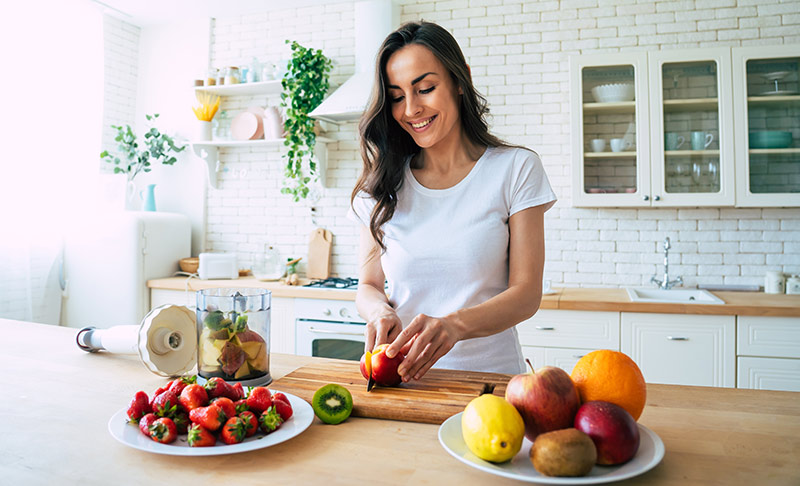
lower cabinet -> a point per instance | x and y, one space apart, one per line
564 358
768 353
682 349
768 374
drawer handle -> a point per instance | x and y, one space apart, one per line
677 338
329 331
545 328
578 356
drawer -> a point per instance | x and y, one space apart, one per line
571 329
769 374
564 358
768 336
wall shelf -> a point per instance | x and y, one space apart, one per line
690 153
610 155
692 104
244 89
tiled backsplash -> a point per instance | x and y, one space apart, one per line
518 52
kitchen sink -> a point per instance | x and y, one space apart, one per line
678 296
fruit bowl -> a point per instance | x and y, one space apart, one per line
770 139
611 93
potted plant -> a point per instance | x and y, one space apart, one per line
304 86
131 160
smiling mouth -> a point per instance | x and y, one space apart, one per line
422 124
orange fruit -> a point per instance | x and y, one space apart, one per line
613 377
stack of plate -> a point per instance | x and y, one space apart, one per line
612 93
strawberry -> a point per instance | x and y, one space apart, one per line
237 391
163 430
259 400
193 396
145 423
233 431
250 422
217 387
226 405
178 384
270 420
282 406
166 404
241 406
200 437
211 417
139 406
182 422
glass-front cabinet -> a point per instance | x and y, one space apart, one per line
611 146
691 128
767 111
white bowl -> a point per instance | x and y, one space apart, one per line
610 93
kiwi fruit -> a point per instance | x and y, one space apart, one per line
332 403
565 452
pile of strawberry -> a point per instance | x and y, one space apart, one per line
208 412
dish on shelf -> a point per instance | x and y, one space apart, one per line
782 92
612 93
247 126
770 139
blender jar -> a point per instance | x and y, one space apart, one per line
233 335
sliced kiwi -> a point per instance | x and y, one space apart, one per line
332 403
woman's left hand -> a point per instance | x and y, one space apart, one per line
423 342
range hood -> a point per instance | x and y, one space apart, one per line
374 20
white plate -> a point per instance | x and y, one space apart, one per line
650 453
130 435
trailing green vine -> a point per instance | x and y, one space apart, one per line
304 86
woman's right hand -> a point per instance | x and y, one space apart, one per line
382 329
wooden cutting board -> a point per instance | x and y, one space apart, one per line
319 254
438 395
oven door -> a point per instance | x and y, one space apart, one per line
327 339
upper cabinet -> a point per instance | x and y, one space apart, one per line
766 89
670 128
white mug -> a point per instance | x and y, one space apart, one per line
598 145
619 144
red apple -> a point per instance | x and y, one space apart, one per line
384 369
612 429
547 399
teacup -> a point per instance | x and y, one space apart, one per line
598 144
619 144
701 140
673 141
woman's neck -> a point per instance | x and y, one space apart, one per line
450 154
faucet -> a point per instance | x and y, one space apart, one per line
666 284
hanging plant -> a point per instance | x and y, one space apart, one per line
304 86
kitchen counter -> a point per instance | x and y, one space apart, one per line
587 299
58 401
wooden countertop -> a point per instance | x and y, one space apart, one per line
58 401
597 299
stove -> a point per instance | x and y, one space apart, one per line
335 283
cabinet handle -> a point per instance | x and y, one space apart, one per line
656 198
677 338
578 356
545 328
646 197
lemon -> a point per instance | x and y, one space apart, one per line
492 428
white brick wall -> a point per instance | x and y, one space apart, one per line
518 51
121 60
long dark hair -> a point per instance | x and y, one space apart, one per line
385 146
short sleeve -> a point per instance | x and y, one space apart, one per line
529 184
361 209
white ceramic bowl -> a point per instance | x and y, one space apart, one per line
610 93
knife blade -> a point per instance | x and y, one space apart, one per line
368 369
370 384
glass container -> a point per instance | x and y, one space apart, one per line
231 75
268 265
233 335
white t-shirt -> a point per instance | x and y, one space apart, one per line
447 249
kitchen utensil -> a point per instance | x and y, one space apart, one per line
165 340
437 396
302 417
649 455
233 334
189 265
673 141
611 93
701 140
770 139
247 126
598 145
619 144
319 254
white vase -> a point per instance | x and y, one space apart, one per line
203 131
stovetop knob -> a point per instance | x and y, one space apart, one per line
326 312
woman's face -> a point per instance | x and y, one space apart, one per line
423 97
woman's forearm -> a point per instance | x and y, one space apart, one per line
371 302
506 309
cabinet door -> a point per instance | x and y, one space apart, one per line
691 127
564 358
535 354
571 329
282 330
768 336
682 349
610 147
766 89
769 374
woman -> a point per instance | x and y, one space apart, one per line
451 216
